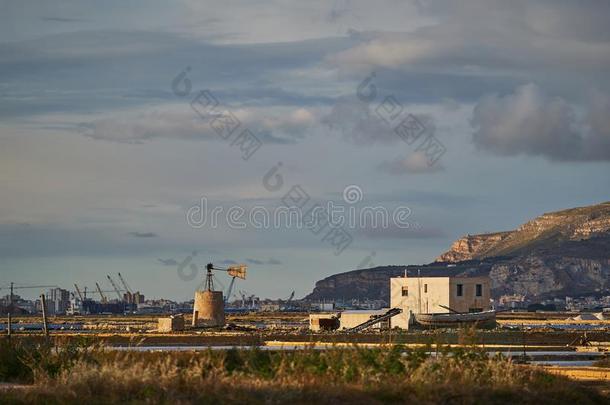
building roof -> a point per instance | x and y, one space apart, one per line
447 270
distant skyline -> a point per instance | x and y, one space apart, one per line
107 143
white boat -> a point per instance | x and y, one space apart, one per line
481 319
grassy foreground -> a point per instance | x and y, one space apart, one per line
82 373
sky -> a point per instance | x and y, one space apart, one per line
121 122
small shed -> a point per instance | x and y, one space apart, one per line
174 323
323 321
352 318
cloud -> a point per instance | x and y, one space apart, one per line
270 125
271 261
228 262
136 68
143 234
361 123
414 163
255 261
531 123
598 119
145 126
168 262
390 51
478 37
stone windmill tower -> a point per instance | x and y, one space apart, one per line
208 309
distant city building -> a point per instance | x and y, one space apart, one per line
133 298
58 301
19 305
515 301
269 306
323 306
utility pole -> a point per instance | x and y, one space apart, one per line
10 312
523 341
419 290
43 301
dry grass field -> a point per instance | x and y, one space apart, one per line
78 372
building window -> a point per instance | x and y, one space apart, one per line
425 288
479 290
405 291
460 290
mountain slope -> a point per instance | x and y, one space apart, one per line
550 231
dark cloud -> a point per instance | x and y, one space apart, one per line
362 123
113 69
271 261
143 234
168 262
479 37
228 262
530 122
255 261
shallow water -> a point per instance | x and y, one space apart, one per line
555 326
561 363
38 326
570 358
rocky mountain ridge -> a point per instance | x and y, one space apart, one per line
550 230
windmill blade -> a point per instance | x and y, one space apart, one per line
238 271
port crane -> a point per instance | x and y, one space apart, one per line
247 298
230 289
80 295
285 304
129 290
115 287
290 297
102 296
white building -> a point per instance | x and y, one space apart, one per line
435 293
